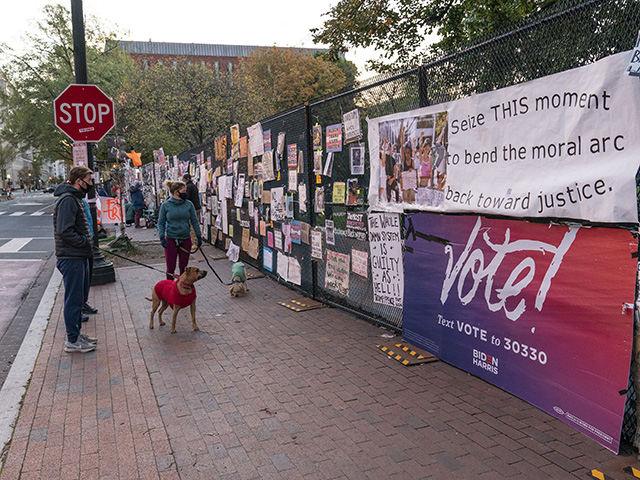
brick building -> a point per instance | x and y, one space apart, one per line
216 57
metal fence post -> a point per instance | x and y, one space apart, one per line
309 168
422 87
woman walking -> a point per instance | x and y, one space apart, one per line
176 217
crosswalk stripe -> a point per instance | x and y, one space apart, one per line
34 214
14 245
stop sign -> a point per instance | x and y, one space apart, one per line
84 113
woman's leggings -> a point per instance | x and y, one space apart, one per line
172 252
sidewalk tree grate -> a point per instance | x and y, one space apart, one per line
633 471
301 305
406 354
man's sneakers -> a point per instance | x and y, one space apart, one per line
80 346
88 339
88 309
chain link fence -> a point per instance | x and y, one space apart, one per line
571 35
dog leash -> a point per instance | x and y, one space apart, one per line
163 272
205 259
138 263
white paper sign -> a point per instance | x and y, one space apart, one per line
351 121
316 244
277 204
295 271
337 272
293 179
233 252
277 238
255 139
302 197
80 154
330 232
224 215
240 191
283 266
385 245
267 258
202 184
267 167
360 262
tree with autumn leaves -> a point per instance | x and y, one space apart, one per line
284 77
39 75
398 29
184 106
160 107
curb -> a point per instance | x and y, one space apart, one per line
19 375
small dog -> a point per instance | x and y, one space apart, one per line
238 280
177 295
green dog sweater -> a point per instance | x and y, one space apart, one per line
237 270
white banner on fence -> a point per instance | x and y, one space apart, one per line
565 146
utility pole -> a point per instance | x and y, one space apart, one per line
103 271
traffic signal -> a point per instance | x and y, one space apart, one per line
115 145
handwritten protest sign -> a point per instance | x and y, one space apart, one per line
385 245
337 272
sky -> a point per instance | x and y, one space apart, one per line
284 23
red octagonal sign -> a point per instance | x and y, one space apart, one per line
84 113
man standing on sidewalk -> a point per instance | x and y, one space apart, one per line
137 201
74 248
194 197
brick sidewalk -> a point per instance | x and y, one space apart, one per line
263 392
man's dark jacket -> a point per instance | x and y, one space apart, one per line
137 197
192 195
70 225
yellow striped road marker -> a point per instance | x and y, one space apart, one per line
599 475
633 471
393 355
411 352
289 306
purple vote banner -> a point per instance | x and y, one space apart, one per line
543 312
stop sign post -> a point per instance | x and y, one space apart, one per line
84 113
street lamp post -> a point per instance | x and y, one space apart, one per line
103 271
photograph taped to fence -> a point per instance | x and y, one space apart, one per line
562 146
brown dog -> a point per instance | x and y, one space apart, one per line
176 295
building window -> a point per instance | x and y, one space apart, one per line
216 67
189 63
174 64
203 64
229 67
160 62
145 64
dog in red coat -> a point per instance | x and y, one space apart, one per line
177 295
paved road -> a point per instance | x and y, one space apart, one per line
26 247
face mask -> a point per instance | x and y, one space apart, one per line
86 188
182 195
